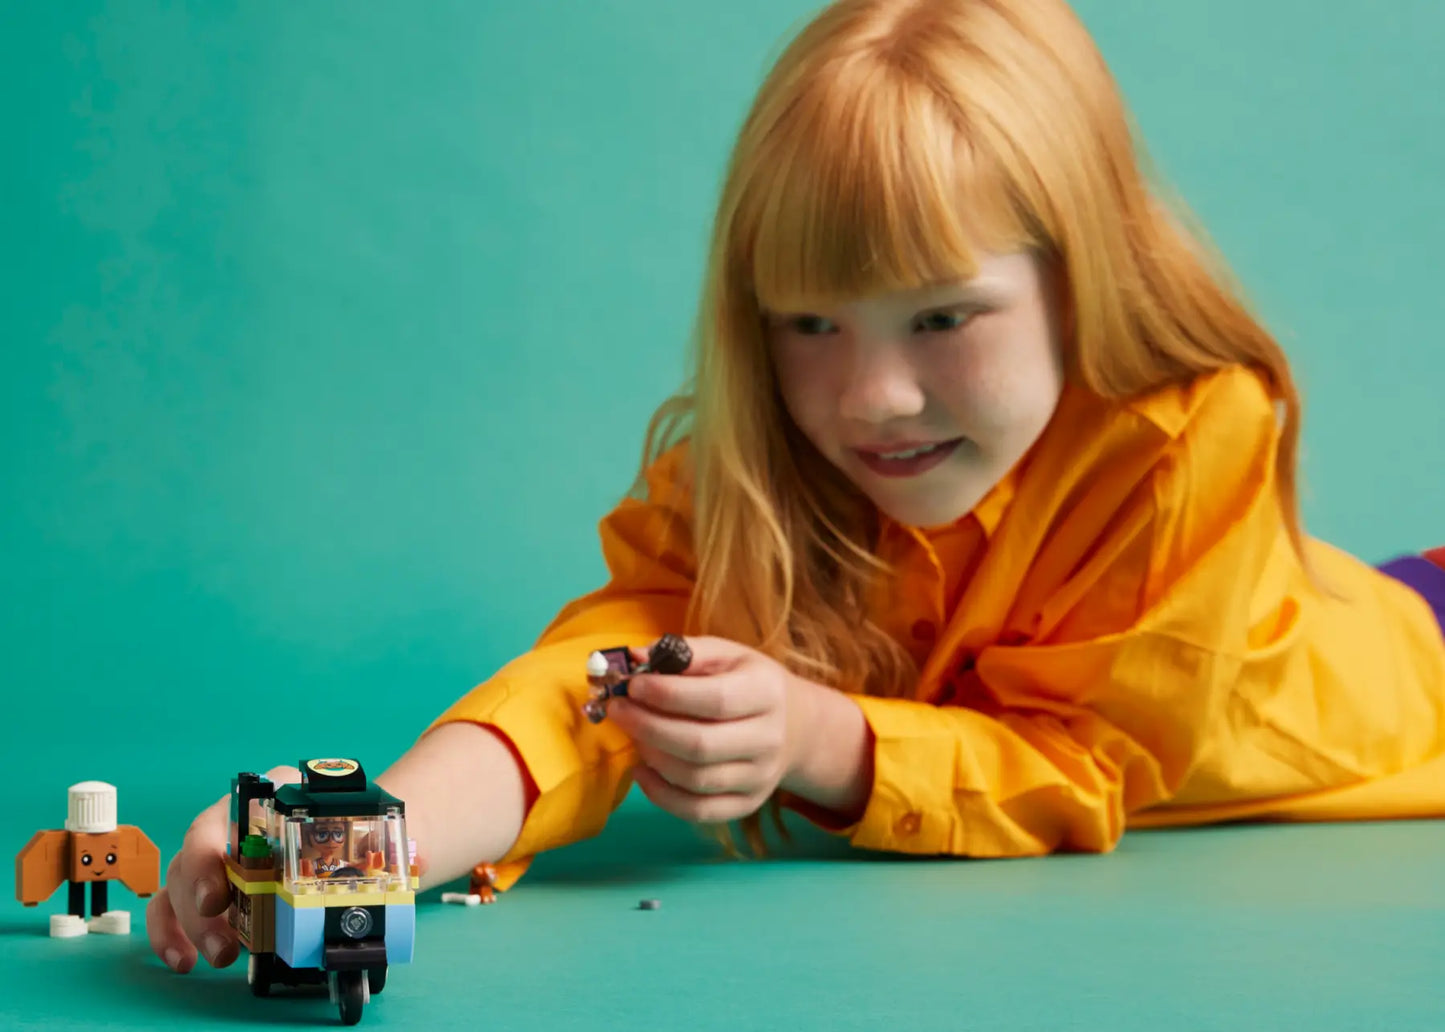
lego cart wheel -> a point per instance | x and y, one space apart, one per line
376 979
259 971
350 991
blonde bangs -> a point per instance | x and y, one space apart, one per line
866 184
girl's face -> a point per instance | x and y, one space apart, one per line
925 399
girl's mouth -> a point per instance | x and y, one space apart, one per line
908 461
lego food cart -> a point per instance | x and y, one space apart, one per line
323 884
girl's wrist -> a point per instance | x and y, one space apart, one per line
832 762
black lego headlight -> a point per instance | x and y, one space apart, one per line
356 923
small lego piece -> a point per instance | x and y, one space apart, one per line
649 904
610 670
484 883
671 655
92 850
482 888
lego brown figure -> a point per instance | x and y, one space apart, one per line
483 883
481 888
91 850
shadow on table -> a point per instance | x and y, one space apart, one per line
141 982
644 845
88 977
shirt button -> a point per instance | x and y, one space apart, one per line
908 824
924 630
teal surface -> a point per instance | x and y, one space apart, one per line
1319 927
329 330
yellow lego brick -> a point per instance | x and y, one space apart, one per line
347 899
249 887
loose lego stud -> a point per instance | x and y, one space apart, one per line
649 904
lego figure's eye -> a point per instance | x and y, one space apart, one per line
85 859
110 858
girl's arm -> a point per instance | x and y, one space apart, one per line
466 796
833 778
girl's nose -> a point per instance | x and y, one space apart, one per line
881 387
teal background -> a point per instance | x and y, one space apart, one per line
328 331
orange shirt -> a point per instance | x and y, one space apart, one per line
1119 635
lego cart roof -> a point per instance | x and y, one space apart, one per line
335 788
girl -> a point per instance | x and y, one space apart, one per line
979 518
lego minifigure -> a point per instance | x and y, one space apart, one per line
91 850
325 846
610 670
484 883
481 888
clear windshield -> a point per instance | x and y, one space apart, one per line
345 854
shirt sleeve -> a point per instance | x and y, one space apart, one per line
578 772
1051 743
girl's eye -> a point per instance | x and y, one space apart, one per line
942 322
810 325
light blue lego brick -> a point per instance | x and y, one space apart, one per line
299 932
400 932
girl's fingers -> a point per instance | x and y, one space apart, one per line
692 741
190 912
699 809
198 891
167 938
706 780
729 695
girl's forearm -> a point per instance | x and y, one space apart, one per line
465 796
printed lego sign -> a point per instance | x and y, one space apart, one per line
333 768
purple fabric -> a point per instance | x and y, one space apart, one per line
1424 576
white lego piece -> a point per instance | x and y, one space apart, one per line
597 665
470 899
66 926
92 808
112 922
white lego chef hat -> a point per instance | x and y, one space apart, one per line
92 807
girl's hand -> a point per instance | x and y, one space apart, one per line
716 741
189 913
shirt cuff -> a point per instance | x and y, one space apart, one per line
910 806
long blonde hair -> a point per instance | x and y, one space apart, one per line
893 142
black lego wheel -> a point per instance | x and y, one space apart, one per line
351 995
376 978
260 970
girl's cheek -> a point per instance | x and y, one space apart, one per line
803 381
977 379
